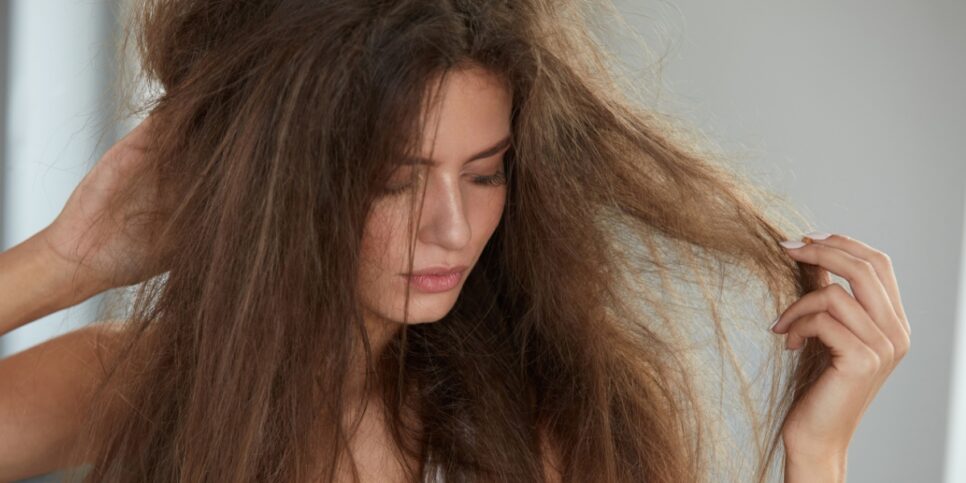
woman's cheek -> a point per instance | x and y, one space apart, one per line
380 243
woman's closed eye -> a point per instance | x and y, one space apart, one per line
496 179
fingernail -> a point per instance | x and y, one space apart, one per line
774 323
792 243
818 235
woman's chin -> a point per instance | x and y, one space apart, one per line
425 316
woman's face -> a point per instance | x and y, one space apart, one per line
465 195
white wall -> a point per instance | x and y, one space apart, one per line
857 111
59 68
956 437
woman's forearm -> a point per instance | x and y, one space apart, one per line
35 283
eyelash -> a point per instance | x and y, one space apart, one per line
492 180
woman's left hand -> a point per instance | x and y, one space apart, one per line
867 332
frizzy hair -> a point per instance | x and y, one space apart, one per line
276 122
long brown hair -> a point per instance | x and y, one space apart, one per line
275 123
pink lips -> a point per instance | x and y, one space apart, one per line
436 282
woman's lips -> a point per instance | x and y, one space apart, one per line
432 283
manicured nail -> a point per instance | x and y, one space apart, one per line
818 235
792 244
774 323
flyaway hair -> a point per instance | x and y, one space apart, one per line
609 311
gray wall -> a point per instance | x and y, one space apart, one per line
4 50
857 111
57 100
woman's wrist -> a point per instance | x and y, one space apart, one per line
34 282
823 468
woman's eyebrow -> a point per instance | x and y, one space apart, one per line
490 151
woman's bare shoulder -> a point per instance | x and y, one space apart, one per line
45 393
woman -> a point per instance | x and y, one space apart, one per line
308 172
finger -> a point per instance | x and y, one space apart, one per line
879 260
850 355
835 300
865 284
825 277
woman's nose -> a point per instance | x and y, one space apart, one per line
443 220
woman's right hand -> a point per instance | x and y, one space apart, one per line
106 247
